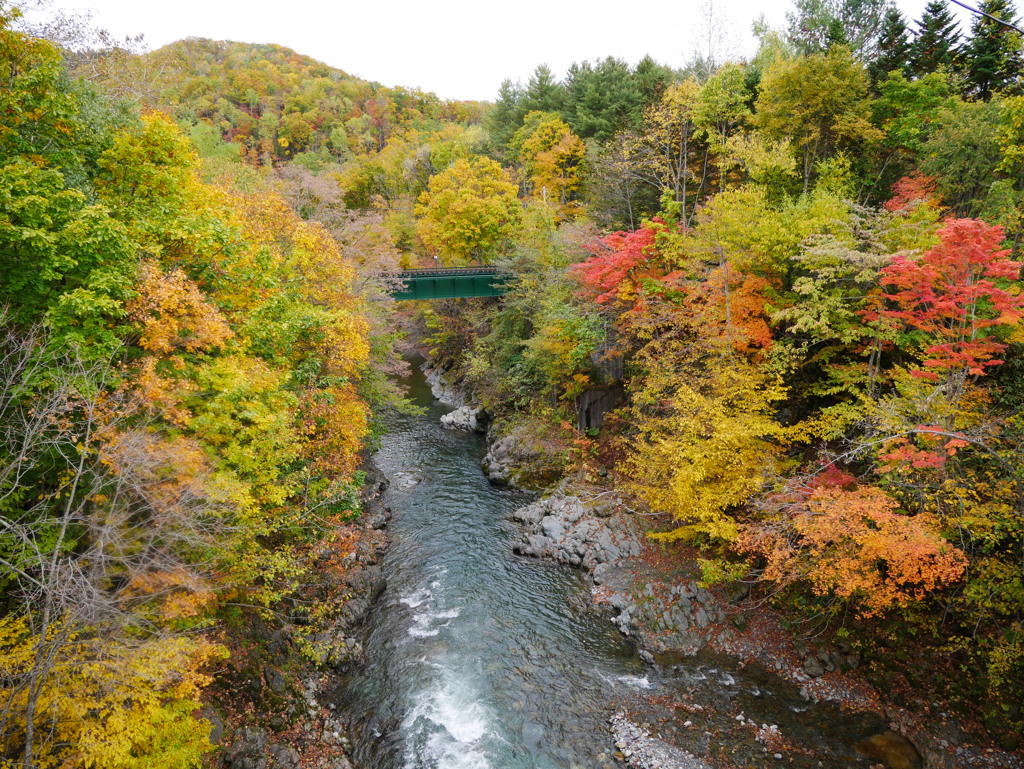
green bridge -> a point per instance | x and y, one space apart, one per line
453 283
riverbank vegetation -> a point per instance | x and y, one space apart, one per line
797 277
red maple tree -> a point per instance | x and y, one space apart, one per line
956 293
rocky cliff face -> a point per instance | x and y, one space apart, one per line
443 390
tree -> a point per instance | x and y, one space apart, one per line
853 545
617 196
722 108
38 113
103 529
706 436
552 158
908 112
992 57
956 295
469 210
506 116
816 25
820 102
894 47
962 152
936 45
667 149
66 262
602 99
651 78
542 93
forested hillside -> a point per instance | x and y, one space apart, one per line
798 275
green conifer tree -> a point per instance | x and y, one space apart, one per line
505 118
992 57
894 47
937 43
543 93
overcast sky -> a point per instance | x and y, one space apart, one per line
456 48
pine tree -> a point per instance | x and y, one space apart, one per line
938 40
543 93
816 25
603 98
506 116
992 57
894 47
651 78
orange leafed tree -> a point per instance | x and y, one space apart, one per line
854 545
174 314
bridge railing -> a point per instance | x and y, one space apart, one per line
430 272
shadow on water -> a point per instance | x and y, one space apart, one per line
476 657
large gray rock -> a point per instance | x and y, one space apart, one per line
553 528
663 616
523 459
248 749
275 680
530 514
465 418
212 717
442 389
284 757
498 464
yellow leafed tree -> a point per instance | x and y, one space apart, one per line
97 703
707 438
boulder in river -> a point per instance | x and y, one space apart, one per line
663 617
524 459
467 419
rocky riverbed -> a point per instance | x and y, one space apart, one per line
607 543
637 748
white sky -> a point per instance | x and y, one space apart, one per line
456 48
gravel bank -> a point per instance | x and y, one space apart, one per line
642 751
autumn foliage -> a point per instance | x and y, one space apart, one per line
853 545
180 373
956 294
811 258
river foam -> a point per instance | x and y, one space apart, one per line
447 726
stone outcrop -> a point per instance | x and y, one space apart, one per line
522 460
467 419
248 749
661 616
443 390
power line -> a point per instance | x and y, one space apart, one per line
988 15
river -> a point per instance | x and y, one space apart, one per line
478 658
